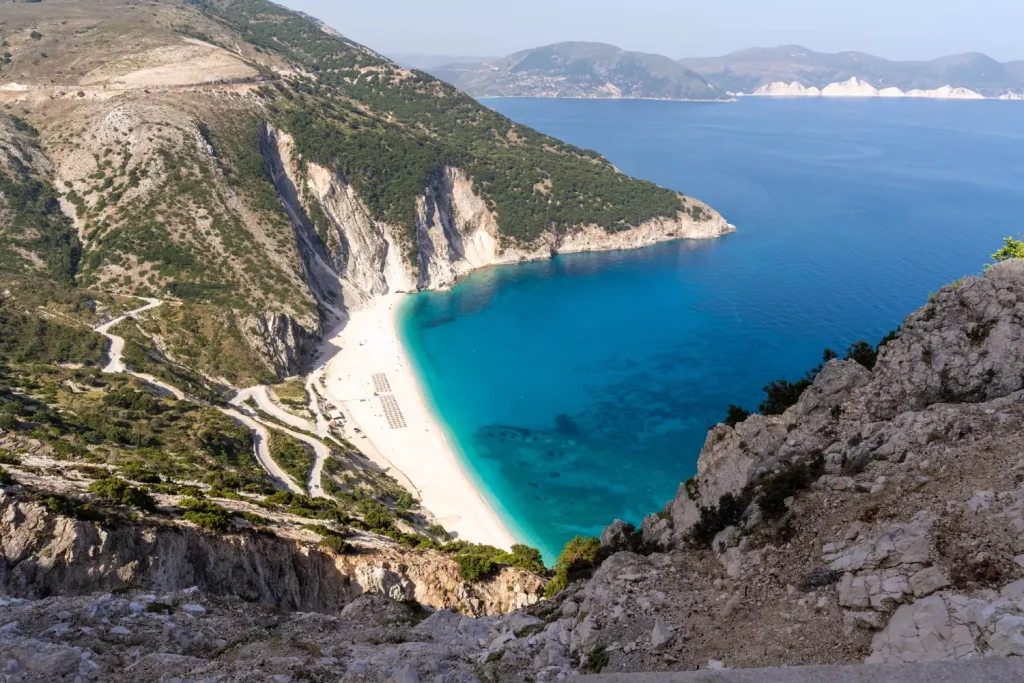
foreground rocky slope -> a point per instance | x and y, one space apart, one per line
877 520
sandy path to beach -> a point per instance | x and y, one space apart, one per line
369 361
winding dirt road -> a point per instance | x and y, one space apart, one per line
262 398
261 438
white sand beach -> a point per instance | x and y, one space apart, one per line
371 381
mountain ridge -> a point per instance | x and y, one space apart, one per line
580 69
599 70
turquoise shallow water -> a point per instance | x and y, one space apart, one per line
581 389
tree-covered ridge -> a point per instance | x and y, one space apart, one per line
389 132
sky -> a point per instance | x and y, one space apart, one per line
897 29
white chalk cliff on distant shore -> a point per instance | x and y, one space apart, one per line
858 88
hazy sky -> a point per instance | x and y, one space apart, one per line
898 29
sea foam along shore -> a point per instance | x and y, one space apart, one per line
369 361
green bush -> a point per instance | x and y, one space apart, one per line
863 353
775 488
525 557
135 401
119 492
137 472
715 518
596 661
376 515
6 478
439 531
76 509
1012 248
337 544
474 566
292 455
578 559
781 394
736 415
206 515
478 561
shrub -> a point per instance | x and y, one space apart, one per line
782 394
863 353
892 336
736 415
578 559
336 543
474 566
478 561
129 399
715 518
376 516
137 472
778 486
596 661
8 422
439 531
6 479
1012 248
206 515
76 509
254 519
119 492
525 557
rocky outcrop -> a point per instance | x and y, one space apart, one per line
951 626
45 554
965 346
282 341
917 504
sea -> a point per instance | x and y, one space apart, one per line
580 390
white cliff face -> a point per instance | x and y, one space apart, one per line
851 88
858 88
455 232
794 89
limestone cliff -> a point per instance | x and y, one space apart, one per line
455 231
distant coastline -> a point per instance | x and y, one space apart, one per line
596 97
855 87
797 91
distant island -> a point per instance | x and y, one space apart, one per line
597 70
580 70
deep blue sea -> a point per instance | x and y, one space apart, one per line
580 390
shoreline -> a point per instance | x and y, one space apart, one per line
370 359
